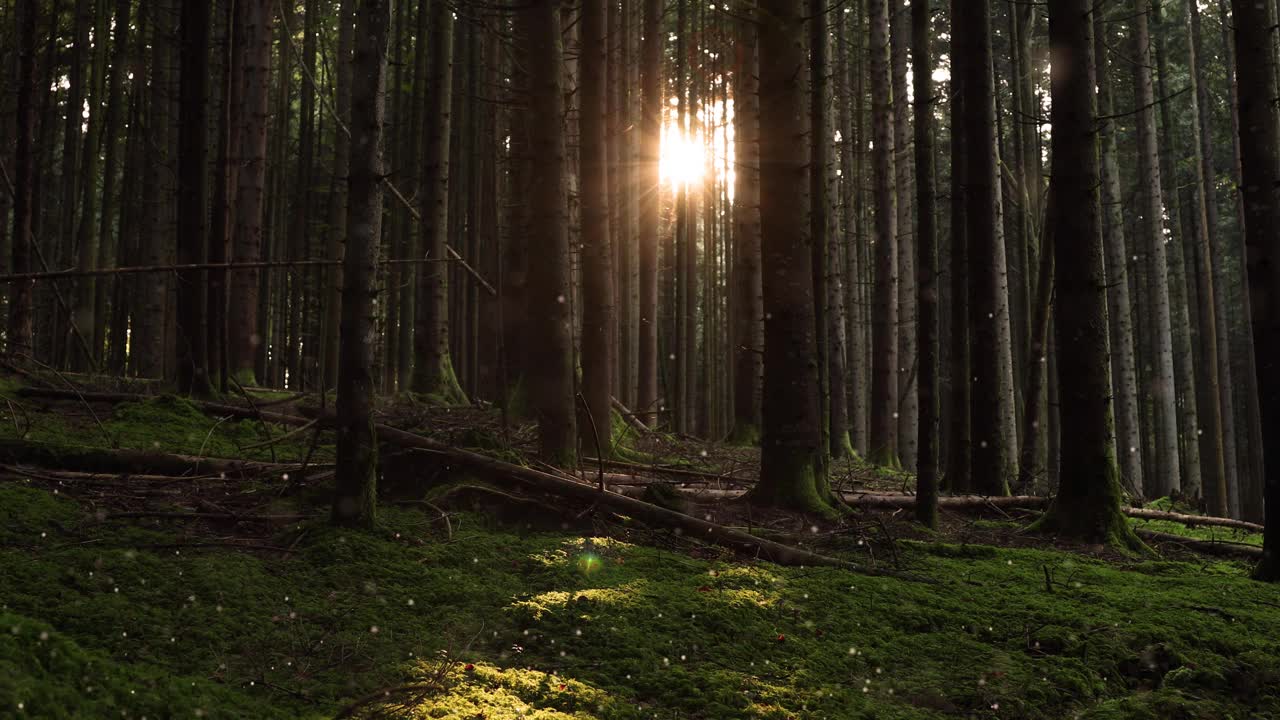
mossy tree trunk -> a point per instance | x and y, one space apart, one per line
1087 506
355 496
747 302
1259 148
791 472
433 372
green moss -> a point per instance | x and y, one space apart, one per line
842 447
174 425
558 625
441 387
792 480
745 434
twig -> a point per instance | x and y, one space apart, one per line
200 454
110 440
265 427
282 438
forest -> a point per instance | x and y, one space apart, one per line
640 359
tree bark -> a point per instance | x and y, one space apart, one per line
990 432
192 360
791 472
433 372
884 328
927 270
244 338
550 369
355 495
652 102
1087 506
597 268
1124 382
1260 156
19 328
747 302
1166 476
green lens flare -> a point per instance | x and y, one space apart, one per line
589 563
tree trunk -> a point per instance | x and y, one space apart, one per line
433 372
652 103
338 196
908 407
1166 476
1087 506
972 37
791 472
1250 448
1260 154
243 331
597 271
192 359
746 301
884 329
550 369
19 329
959 473
355 495
927 270
1124 382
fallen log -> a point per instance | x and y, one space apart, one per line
102 460
629 417
1221 548
1192 520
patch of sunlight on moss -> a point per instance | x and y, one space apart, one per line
495 693
543 603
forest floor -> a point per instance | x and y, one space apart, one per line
222 592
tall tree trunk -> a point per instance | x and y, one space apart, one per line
746 301
1087 506
959 474
908 408
243 330
791 472
1260 155
84 355
652 102
819 208
147 332
1216 408
1250 447
990 433
19 329
1124 380
355 496
927 270
192 359
433 372
597 271
884 333
338 195
550 369
1166 475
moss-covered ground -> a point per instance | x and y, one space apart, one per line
109 619
460 617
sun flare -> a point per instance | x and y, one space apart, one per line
684 157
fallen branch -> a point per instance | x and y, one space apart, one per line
1221 548
630 418
108 461
1192 520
